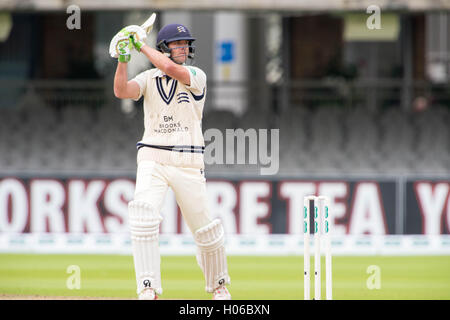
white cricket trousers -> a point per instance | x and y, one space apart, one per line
188 184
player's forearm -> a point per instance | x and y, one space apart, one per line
120 80
166 65
158 59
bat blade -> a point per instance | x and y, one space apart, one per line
148 24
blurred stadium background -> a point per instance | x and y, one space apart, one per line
363 115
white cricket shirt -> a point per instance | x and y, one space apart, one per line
172 118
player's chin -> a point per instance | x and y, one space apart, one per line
180 59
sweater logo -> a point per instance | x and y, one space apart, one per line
192 71
183 97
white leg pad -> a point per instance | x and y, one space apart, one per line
211 255
144 224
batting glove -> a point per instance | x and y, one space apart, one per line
138 44
124 46
121 46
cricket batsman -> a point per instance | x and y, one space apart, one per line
170 154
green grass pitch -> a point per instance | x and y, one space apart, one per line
252 278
